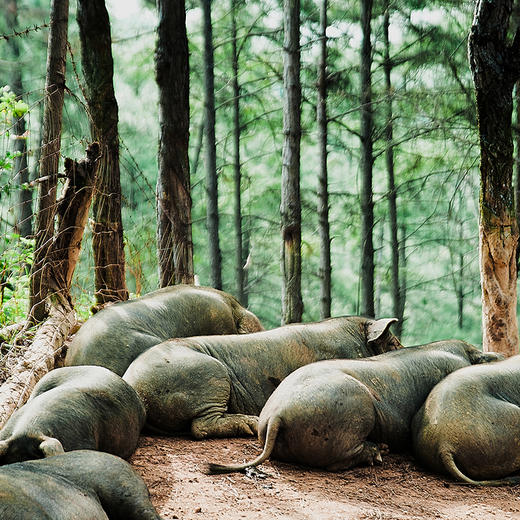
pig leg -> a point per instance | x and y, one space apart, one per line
364 454
224 425
186 390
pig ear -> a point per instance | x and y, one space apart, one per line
4 446
50 446
377 328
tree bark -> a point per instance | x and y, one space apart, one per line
366 196
212 215
390 171
72 209
240 252
174 239
290 208
495 69
23 225
323 187
517 169
52 121
107 229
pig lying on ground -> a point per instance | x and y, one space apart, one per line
71 408
469 427
115 336
215 386
333 414
79 485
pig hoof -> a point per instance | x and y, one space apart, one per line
252 426
383 449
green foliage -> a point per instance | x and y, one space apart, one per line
9 109
16 255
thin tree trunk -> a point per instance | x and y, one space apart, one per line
495 68
23 224
107 229
247 262
237 177
367 205
323 184
198 147
389 159
378 272
212 217
290 208
399 326
460 288
175 246
52 120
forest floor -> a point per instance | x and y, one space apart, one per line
396 490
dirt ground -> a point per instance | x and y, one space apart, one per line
172 469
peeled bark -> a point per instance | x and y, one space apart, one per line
37 360
174 240
107 228
495 68
290 207
50 154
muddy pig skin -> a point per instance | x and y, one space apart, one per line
71 408
215 386
115 336
79 485
469 427
341 413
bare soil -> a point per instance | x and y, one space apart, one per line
396 490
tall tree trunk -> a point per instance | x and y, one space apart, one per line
389 159
290 208
210 150
23 224
379 272
175 246
461 285
399 326
517 168
495 68
51 142
367 205
240 252
323 184
98 69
